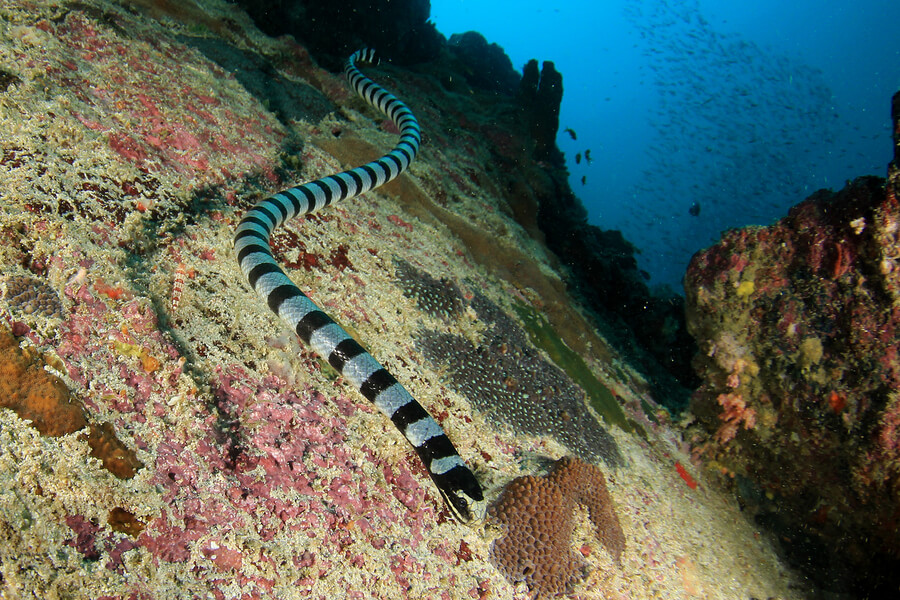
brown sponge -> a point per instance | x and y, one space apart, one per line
33 393
43 399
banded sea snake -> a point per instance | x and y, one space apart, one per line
454 480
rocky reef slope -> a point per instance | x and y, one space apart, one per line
172 440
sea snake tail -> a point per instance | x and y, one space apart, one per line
454 480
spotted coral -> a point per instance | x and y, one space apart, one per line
537 514
438 297
507 378
30 295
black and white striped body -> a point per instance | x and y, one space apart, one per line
455 481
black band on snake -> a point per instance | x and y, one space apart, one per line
454 480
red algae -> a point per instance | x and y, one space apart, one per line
688 479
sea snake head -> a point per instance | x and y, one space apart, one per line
463 496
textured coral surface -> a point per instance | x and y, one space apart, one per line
536 514
31 295
132 142
505 377
798 330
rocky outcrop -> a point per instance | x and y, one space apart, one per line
602 269
540 96
798 325
484 65
399 29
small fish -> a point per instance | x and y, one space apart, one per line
587 156
584 180
177 286
694 210
578 158
571 133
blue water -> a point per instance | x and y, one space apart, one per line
742 108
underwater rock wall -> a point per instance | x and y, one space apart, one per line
399 29
798 326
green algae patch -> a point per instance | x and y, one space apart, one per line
649 411
542 335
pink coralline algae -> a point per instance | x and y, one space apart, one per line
275 465
798 325
734 414
162 119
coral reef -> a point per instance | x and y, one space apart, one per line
599 396
648 328
505 376
116 457
132 150
536 514
797 326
